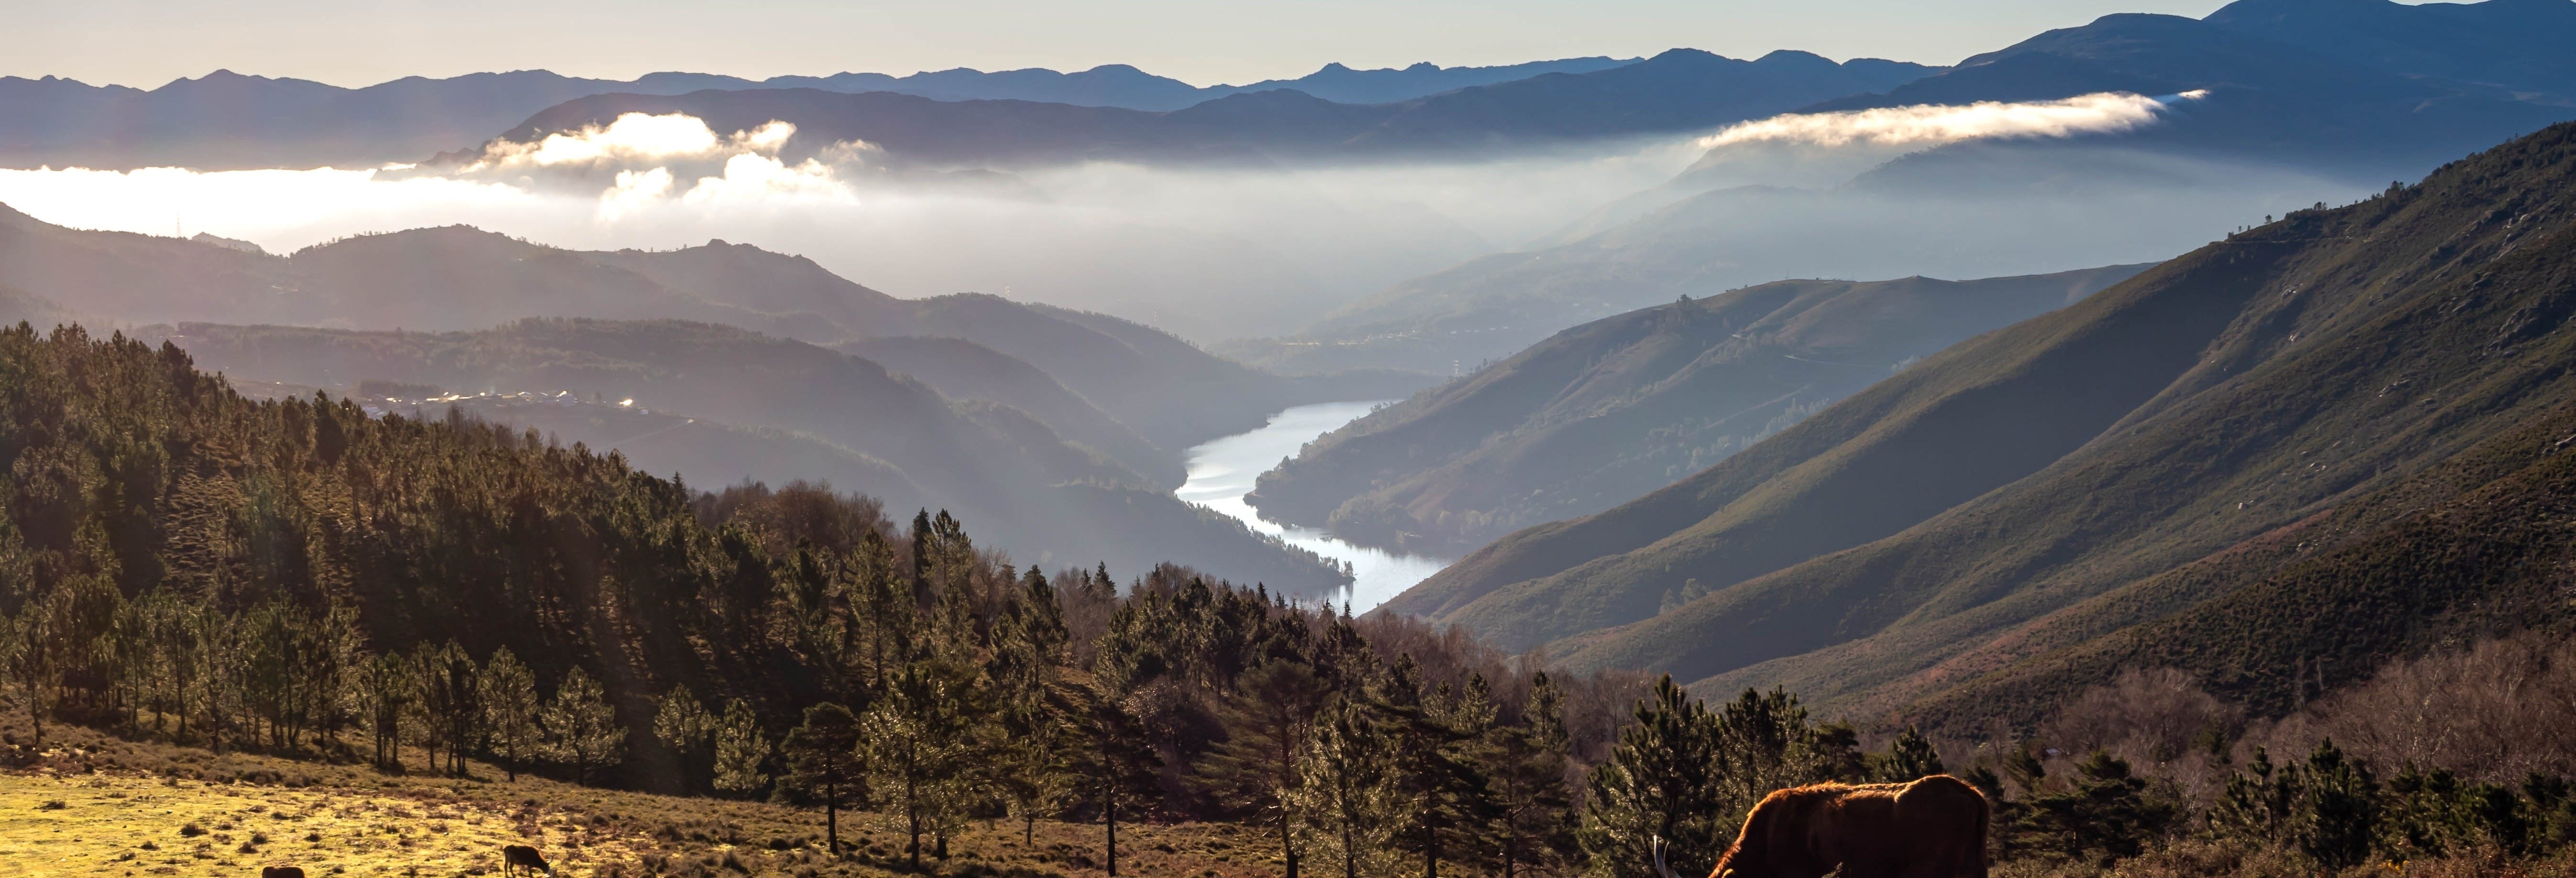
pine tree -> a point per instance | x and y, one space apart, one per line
1115 770
2340 810
1439 786
1029 759
448 701
683 725
1910 757
1268 722
823 764
1529 782
915 749
581 727
510 710
386 687
741 750
1345 790
1660 783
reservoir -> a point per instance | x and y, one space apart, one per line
1222 471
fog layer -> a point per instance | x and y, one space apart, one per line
1219 254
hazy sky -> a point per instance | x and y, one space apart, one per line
355 42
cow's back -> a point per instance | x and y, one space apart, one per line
1943 820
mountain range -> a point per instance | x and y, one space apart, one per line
1677 90
226 120
1613 409
2304 100
1168 392
2275 462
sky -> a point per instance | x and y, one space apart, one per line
145 43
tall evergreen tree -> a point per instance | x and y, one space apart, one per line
387 689
1660 783
916 752
1116 773
1438 781
1529 762
683 725
582 731
823 764
1345 790
1268 723
741 751
449 701
510 708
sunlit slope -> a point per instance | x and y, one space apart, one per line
1610 410
1957 425
2249 385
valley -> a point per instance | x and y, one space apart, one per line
1221 473
1627 441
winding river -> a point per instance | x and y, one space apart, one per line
1222 471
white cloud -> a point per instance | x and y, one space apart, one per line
633 138
1936 124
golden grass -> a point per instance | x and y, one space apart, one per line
111 824
93 804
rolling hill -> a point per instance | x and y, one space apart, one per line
1165 390
1610 410
2318 438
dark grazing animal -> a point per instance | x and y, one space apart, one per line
1931 828
281 872
515 857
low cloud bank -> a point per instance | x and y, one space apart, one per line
1925 125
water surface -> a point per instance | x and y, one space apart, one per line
1222 471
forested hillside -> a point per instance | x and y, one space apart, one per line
1608 411
719 388
2198 433
184 567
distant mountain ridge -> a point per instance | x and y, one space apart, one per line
1168 392
1674 91
1613 409
2337 436
226 120
2363 91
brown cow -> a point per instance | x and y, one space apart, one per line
281 872
1931 828
515 857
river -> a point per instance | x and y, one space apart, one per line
1222 471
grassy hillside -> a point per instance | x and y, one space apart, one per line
1608 411
95 804
2259 382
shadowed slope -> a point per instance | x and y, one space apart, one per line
1613 409
2235 391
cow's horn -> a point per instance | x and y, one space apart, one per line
1660 868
